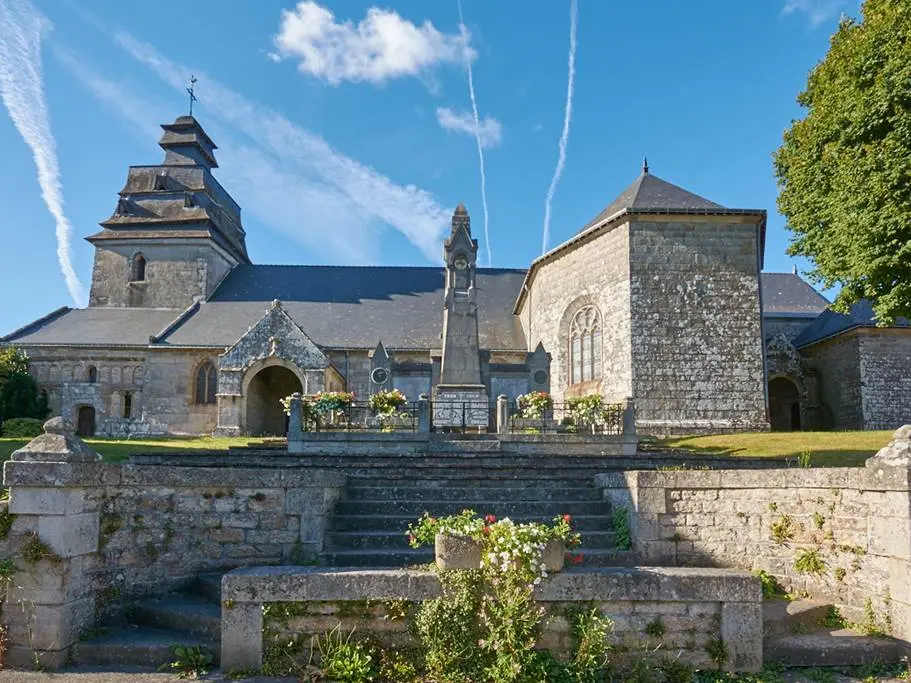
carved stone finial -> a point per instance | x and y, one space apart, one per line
57 444
461 210
896 453
57 425
276 303
644 165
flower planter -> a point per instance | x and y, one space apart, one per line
554 555
456 552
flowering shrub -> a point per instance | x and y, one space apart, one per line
309 416
534 404
326 401
387 403
585 409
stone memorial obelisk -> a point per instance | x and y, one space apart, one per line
460 399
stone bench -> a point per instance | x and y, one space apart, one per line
685 598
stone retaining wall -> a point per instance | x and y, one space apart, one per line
850 526
694 606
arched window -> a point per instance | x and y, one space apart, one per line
127 405
138 273
206 382
585 345
92 375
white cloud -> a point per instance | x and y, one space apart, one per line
567 116
382 46
283 200
410 210
489 130
818 11
22 28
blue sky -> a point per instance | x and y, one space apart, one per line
346 129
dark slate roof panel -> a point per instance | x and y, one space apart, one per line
651 192
353 306
830 323
784 293
96 326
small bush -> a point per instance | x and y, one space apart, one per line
22 428
655 628
810 562
782 530
770 586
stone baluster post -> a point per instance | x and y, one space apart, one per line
296 419
502 414
424 414
55 484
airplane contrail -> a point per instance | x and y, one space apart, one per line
477 133
564 136
22 90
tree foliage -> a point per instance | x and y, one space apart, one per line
19 395
844 170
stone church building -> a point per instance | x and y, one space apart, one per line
659 299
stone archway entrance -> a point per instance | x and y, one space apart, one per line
784 405
85 421
264 413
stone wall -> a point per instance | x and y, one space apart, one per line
695 607
169 394
108 532
838 364
594 271
852 526
176 274
885 377
697 344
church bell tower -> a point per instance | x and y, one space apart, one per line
460 399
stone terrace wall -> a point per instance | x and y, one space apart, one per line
857 521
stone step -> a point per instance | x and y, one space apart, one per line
543 509
445 480
594 557
464 446
831 648
467 494
385 540
208 586
781 617
179 612
399 522
137 646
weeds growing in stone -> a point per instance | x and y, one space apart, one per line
188 662
809 561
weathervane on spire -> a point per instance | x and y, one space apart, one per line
645 165
191 90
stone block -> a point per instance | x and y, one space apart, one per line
70 535
49 501
19 657
741 631
49 627
242 637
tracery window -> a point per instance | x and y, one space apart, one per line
206 382
585 345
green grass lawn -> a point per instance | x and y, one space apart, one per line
827 449
118 450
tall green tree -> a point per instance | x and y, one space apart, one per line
19 395
844 170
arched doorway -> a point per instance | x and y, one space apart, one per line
784 405
85 421
265 415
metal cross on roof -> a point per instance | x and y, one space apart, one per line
191 90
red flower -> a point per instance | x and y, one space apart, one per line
411 538
490 519
576 559
567 518
486 530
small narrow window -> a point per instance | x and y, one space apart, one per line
206 383
92 375
127 405
139 268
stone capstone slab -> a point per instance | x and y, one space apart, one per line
896 453
57 444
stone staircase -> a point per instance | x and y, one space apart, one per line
154 625
368 525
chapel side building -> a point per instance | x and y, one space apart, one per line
660 299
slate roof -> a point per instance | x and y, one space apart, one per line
103 326
831 323
352 306
650 193
789 295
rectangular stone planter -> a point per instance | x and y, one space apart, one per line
456 552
